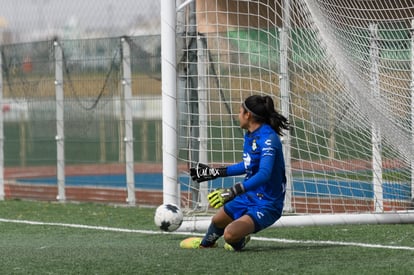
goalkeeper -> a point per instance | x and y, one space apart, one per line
257 202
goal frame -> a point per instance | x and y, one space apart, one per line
170 148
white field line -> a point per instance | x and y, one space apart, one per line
151 232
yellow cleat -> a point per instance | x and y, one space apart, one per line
231 248
228 247
194 243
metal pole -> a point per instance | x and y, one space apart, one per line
376 133
285 99
2 194
171 192
202 61
60 143
129 135
188 83
412 109
192 88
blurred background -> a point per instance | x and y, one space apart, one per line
29 20
93 129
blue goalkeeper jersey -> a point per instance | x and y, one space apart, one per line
264 166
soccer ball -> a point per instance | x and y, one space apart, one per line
168 217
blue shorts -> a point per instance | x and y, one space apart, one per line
262 212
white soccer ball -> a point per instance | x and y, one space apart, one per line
168 217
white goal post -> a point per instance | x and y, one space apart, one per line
342 71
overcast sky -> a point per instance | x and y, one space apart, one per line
48 15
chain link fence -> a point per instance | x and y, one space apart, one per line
93 104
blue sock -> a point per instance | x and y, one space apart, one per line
212 235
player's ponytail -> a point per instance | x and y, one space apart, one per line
263 111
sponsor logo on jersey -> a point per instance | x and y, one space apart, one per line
247 160
268 151
254 145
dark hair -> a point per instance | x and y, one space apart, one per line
263 111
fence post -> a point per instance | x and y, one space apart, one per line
60 143
285 99
412 111
377 180
1 133
202 61
129 135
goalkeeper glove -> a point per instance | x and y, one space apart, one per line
204 172
219 197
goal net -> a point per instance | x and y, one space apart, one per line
341 71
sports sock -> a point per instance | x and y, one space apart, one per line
212 235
